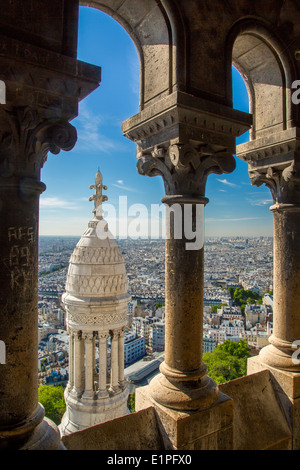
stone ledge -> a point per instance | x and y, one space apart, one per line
136 431
193 430
259 421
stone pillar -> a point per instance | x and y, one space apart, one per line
89 366
121 358
283 179
184 139
25 139
182 393
71 359
114 370
183 372
277 166
183 383
94 357
286 301
43 90
78 363
103 364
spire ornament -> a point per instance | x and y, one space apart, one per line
98 197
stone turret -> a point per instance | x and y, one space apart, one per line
96 303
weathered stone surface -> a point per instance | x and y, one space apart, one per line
192 430
259 422
287 387
138 431
24 144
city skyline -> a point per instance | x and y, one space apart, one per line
235 208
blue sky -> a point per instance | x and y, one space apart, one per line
235 209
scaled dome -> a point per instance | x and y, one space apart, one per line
96 267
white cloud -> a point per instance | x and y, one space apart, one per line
56 203
261 202
126 188
90 136
225 181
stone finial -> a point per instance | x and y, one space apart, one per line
98 197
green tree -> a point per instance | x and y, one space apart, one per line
242 297
231 291
214 308
228 361
131 402
240 349
52 399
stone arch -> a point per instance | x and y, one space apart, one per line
267 69
152 26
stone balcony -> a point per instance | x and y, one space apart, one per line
260 422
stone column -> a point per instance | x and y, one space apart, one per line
78 363
25 139
114 361
71 359
42 96
286 301
183 383
102 364
183 139
184 274
89 366
283 179
277 166
94 357
121 358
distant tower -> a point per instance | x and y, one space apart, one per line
96 304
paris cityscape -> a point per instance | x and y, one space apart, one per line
230 264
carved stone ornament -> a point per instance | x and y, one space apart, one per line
102 319
283 183
26 137
185 167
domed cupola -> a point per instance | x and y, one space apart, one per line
96 303
97 268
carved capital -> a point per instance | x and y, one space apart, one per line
284 183
120 332
26 137
88 337
78 335
183 139
275 162
103 335
185 167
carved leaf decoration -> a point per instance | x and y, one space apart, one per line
5 140
150 166
63 137
225 161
